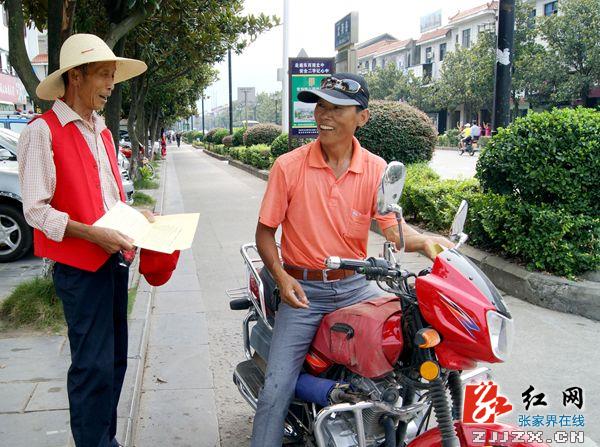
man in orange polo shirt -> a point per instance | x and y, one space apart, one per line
323 195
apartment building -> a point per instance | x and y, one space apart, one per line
13 95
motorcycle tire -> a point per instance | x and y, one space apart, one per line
461 152
471 153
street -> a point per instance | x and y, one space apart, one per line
449 164
552 351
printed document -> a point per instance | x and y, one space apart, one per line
166 234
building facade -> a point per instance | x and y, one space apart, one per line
424 56
13 96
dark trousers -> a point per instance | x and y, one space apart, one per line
95 306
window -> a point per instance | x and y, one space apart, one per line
382 63
466 38
550 8
532 13
456 40
374 64
442 51
408 64
428 55
367 65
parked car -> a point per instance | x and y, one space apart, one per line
14 121
16 236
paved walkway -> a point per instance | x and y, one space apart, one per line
33 370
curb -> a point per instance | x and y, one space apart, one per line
552 292
544 290
260 173
143 289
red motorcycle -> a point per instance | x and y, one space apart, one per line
378 371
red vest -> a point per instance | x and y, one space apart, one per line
77 193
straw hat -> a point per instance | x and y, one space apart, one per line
82 49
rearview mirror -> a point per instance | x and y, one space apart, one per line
5 154
390 189
458 224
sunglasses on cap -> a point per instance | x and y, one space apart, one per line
342 85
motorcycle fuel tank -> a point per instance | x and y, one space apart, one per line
366 338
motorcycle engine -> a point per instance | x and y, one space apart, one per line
341 429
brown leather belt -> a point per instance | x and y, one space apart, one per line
317 275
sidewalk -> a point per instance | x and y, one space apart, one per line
33 370
177 404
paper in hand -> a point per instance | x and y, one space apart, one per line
166 234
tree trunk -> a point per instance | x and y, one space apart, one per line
55 26
113 106
18 57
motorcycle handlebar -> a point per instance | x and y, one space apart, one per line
335 263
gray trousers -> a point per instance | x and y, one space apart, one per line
292 335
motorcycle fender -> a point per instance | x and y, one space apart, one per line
479 435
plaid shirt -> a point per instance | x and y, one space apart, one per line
37 173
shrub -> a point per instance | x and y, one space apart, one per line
192 135
234 152
547 158
261 134
280 144
228 140
238 136
398 131
258 156
209 135
450 138
219 135
540 235
483 142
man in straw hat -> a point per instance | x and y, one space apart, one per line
70 178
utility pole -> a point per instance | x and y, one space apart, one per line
230 96
504 53
285 110
246 106
275 108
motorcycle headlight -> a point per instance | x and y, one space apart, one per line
501 334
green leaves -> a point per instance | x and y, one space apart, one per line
542 236
261 134
398 131
551 158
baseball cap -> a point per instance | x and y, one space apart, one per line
342 89
157 267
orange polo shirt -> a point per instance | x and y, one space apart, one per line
320 215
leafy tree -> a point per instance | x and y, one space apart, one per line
572 38
467 76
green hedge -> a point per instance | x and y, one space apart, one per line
398 131
210 134
450 138
261 134
258 155
191 136
218 136
541 236
547 158
280 144
238 136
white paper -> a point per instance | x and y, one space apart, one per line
166 234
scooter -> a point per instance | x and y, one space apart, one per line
378 372
469 147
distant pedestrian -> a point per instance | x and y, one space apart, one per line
69 179
475 131
487 130
163 143
178 137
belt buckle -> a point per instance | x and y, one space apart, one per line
325 276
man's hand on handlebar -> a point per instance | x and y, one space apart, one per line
291 292
434 244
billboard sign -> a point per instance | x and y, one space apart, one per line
346 30
305 73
